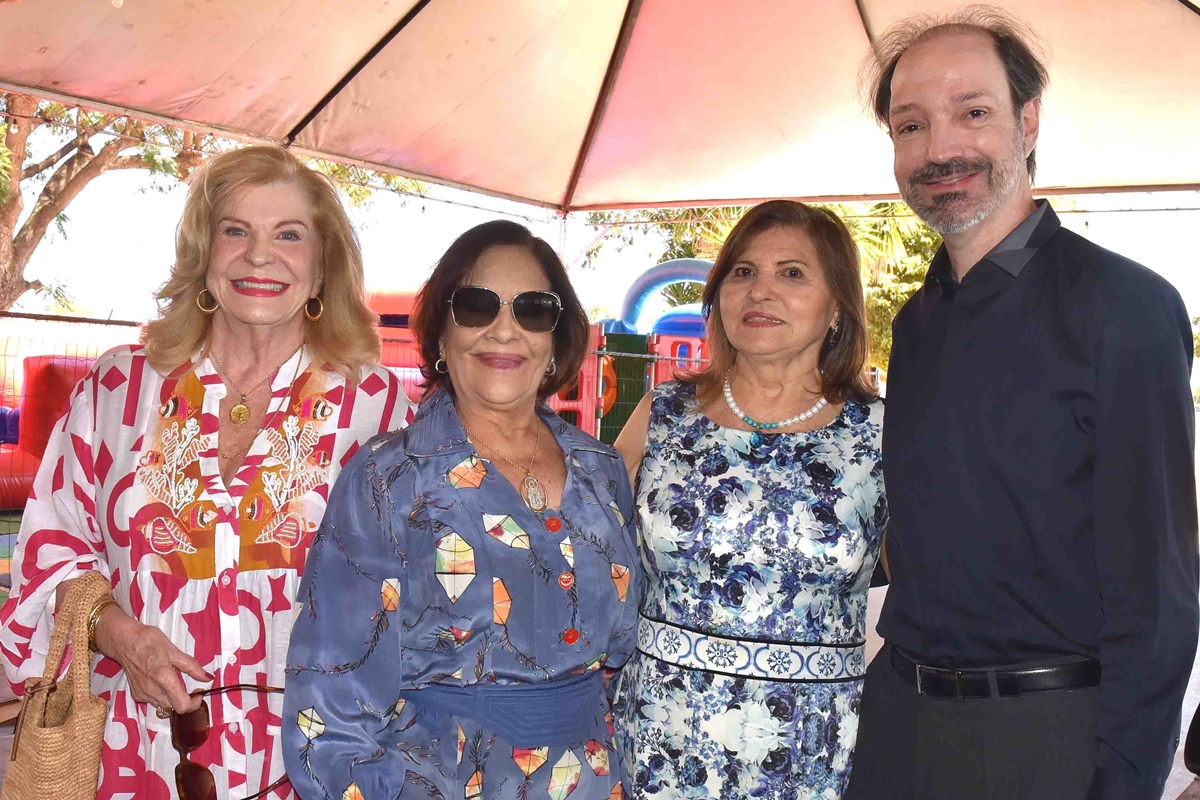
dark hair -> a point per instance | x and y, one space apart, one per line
1016 45
843 356
431 312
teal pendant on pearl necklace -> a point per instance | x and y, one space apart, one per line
769 426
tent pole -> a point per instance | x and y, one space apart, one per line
562 234
866 22
357 68
610 80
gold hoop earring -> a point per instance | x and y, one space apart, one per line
212 307
313 316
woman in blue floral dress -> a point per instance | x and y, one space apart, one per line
759 496
475 576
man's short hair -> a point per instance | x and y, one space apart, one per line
1016 44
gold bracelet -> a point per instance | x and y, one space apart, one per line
94 619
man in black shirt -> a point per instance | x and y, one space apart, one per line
1038 450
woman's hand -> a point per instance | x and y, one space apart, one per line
151 663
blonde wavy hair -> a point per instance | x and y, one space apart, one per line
345 338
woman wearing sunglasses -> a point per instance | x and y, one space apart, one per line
193 472
476 574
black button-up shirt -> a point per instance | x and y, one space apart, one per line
1038 445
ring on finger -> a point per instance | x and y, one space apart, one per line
164 712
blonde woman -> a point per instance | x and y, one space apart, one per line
193 471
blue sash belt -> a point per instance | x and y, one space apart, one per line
558 712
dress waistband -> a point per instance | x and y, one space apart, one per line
558 712
750 658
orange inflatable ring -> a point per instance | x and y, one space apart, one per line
608 381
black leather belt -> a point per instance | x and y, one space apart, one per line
961 684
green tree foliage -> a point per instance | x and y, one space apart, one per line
683 293
359 184
895 249
686 232
50 152
5 163
1196 354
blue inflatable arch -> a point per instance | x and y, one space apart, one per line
656 278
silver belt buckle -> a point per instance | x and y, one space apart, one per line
958 692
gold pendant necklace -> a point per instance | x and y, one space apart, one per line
240 413
268 425
531 488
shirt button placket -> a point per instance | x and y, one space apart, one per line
227 601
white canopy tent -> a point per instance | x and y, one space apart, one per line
579 104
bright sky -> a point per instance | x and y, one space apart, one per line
119 242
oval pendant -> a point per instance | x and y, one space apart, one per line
535 499
239 414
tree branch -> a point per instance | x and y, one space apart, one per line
16 135
189 156
86 132
66 183
52 159
20 124
128 162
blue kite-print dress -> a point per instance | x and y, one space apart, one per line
758 550
429 571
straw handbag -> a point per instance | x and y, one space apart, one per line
56 747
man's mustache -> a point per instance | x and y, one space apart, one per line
934 171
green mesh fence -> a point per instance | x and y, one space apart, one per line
632 381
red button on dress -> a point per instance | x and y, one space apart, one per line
570 636
566 580
553 524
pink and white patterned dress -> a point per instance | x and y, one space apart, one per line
130 486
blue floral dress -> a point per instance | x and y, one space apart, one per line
437 613
758 550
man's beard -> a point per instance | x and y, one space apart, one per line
952 212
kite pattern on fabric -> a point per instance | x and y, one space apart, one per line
429 571
130 485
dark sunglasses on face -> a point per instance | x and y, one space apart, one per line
476 307
189 731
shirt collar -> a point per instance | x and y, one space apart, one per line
1014 251
437 431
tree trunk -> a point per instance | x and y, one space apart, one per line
12 275
69 178
12 286
12 282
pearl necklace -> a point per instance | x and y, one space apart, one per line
768 426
